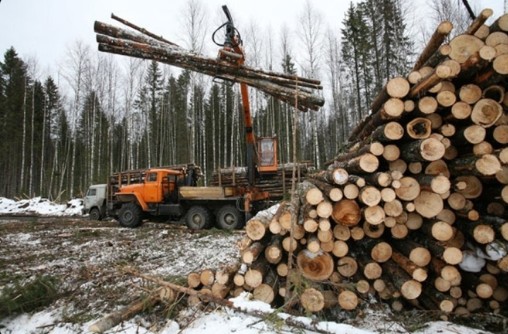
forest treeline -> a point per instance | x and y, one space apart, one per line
107 113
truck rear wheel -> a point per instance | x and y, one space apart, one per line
229 218
130 215
198 217
95 214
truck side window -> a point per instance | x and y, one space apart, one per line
91 192
151 177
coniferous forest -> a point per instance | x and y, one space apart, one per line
107 113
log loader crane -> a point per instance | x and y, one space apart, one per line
171 192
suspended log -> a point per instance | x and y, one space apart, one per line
120 41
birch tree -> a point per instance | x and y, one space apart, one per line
194 26
77 62
310 33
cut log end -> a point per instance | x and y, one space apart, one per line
316 267
348 300
312 300
411 289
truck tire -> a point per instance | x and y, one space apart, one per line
95 214
229 218
198 217
130 215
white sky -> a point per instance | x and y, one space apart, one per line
45 29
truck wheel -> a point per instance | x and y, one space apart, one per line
130 215
229 218
95 214
198 217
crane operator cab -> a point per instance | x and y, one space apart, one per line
267 154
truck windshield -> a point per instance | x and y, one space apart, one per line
91 192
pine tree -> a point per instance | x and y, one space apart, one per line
355 48
14 75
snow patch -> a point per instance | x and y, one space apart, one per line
40 206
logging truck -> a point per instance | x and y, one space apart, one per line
172 194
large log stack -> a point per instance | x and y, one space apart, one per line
415 213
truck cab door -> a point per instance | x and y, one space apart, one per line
152 188
90 198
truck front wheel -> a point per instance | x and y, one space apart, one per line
198 217
95 214
130 215
229 218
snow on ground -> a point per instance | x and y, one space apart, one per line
86 257
40 206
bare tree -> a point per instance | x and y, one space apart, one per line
451 10
194 26
335 83
311 36
77 62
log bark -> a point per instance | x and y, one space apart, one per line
257 226
409 288
429 149
252 252
417 273
338 176
479 21
113 319
225 275
120 41
435 41
273 252
366 163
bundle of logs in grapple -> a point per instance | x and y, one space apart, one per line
415 213
295 90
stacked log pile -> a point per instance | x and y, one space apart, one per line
415 212
278 184
140 43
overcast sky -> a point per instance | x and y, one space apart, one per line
45 29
